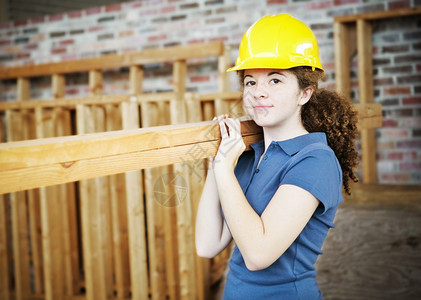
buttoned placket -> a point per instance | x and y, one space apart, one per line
260 164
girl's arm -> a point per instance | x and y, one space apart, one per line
212 234
260 239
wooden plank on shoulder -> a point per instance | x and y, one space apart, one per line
67 159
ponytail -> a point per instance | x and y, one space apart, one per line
331 113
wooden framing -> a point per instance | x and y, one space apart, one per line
356 30
108 210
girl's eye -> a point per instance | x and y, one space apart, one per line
250 83
275 81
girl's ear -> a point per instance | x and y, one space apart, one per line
305 95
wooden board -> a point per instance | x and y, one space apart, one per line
117 60
67 159
378 15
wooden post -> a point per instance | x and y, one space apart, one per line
224 61
23 89
342 45
134 200
50 223
16 131
5 240
119 215
94 210
185 235
161 267
135 217
365 83
197 176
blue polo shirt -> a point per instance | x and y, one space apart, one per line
305 161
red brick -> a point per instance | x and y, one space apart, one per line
196 41
74 14
133 4
411 122
67 42
215 20
394 133
395 156
271 2
93 10
156 38
399 4
409 144
402 90
96 28
37 20
390 123
383 81
57 17
23 55
189 5
114 7
58 50
410 166
72 91
345 2
69 57
31 47
411 101
20 23
219 39
168 9
149 12
5 42
200 78
395 178
5 25
319 5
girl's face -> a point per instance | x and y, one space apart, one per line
272 98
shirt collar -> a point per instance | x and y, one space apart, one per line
292 146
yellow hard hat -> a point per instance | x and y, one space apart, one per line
278 42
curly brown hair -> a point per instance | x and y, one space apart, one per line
333 114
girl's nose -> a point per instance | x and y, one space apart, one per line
260 92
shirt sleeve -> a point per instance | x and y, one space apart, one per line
318 172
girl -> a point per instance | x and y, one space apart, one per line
279 200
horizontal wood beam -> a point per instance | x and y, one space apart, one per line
369 115
378 15
168 54
113 99
43 162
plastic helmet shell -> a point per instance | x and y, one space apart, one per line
278 42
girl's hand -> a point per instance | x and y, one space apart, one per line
232 144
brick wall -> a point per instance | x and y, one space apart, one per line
147 24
